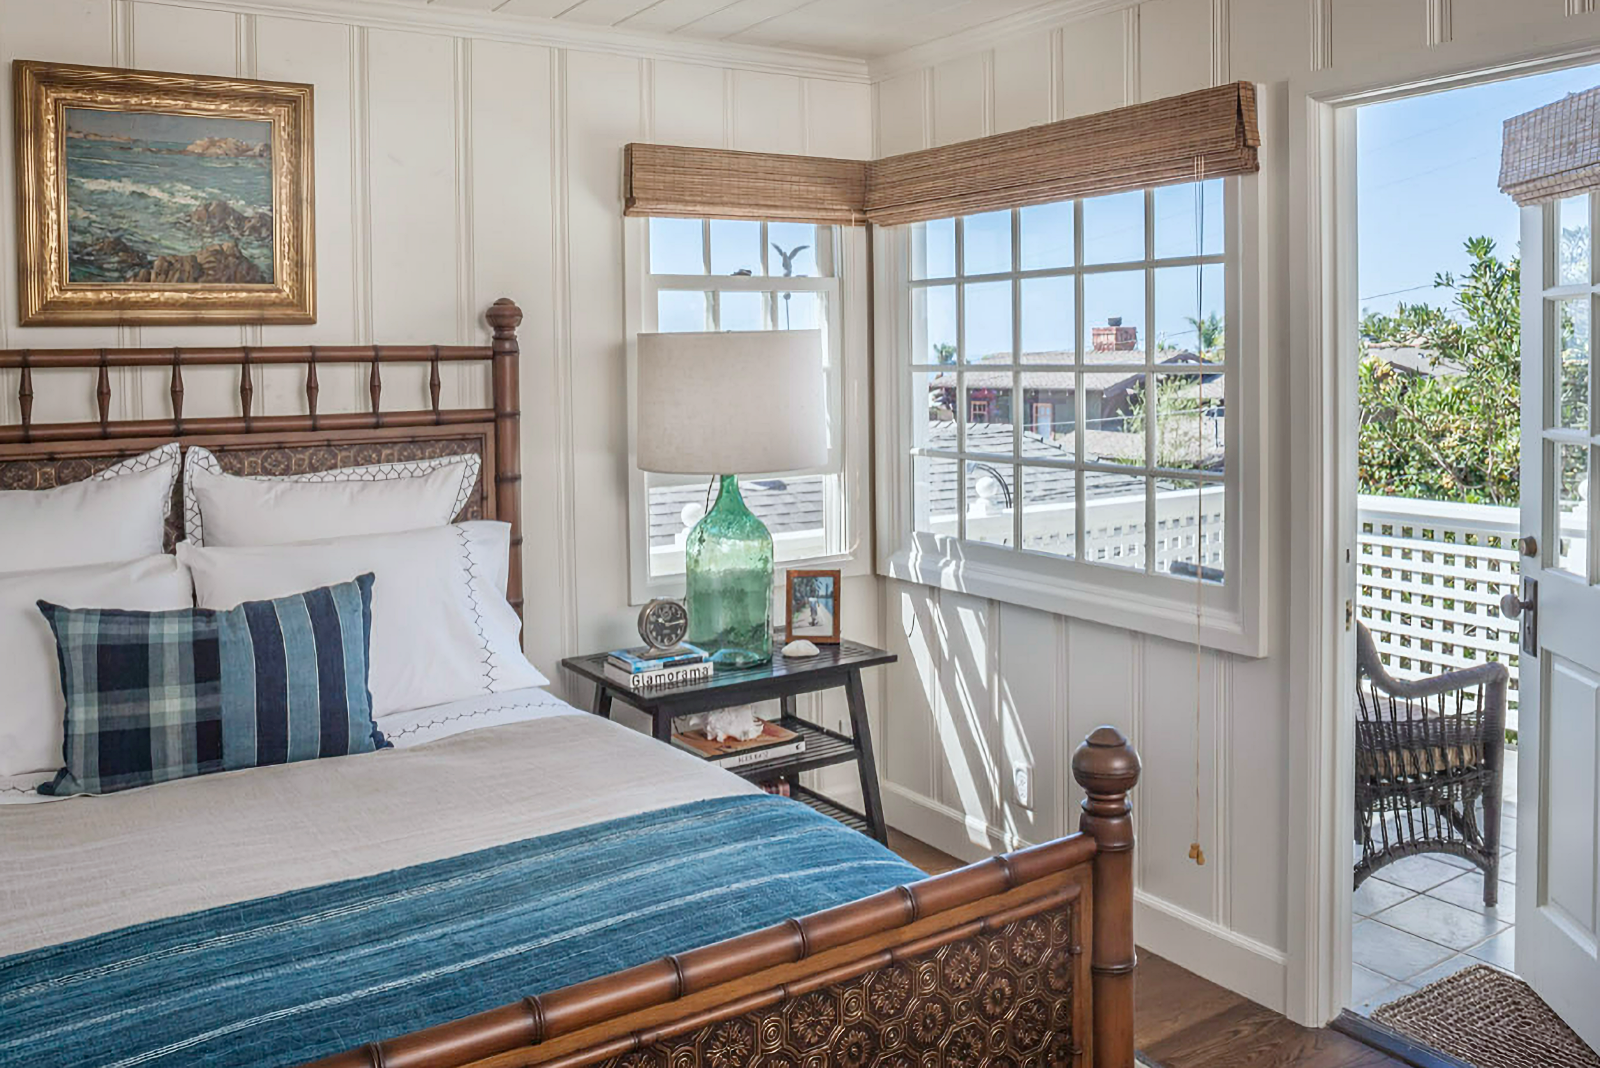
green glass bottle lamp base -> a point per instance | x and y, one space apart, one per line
728 573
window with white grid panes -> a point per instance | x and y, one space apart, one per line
1070 377
735 274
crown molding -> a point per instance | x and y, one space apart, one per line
1046 16
527 29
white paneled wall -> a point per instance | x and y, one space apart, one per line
983 687
455 166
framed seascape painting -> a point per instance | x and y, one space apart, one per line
146 197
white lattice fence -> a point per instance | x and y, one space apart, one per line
1430 577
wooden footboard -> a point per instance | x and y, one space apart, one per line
1023 959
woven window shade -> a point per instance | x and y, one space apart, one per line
1553 151
716 183
1130 148
1136 147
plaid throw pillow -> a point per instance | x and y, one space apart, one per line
154 696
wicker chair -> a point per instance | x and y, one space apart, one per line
1427 753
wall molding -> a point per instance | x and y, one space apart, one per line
1254 969
1206 948
561 353
1440 22
1321 34
360 189
1132 88
526 29
1579 7
1033 20
467 303
1221 42
127 334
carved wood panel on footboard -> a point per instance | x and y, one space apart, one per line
1022 959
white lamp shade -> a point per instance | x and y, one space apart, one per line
732 403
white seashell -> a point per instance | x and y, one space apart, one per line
801 647
740 723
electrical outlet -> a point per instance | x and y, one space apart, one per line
1022 785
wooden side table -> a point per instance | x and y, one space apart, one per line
784 680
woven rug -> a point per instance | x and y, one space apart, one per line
1488 1019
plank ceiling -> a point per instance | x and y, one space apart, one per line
860 28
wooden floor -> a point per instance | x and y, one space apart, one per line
1183 1021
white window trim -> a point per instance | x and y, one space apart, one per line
1233 614
850 464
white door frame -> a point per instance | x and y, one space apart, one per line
1324 321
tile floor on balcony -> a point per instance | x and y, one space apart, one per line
1423 918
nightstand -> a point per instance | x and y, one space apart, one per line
783 679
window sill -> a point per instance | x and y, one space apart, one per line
850 565
1124 600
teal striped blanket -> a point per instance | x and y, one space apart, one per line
287 979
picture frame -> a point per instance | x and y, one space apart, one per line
150 197
811 606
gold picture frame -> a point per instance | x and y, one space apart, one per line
184 198
811 605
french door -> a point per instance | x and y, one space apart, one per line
1558 799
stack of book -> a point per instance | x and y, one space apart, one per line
773 742
649 669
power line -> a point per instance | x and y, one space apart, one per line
1396 292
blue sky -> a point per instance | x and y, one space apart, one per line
1428 178
152 126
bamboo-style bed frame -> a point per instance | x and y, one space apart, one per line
1026 958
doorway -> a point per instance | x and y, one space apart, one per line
1439 404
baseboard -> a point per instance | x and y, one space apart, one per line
1210 950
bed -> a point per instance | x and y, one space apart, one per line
546 888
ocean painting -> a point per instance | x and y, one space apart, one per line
165 198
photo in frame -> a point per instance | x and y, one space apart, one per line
811 606
147 197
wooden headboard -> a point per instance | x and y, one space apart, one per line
41 455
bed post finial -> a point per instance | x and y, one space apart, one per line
504 316
1106 766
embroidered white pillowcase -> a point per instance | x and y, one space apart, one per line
117 514
32 711
442 629
223 509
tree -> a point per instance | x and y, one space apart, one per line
1453 434
1181 432
1208 331
945 351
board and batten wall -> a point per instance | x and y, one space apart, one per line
452 167
985 686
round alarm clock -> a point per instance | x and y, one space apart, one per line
663 623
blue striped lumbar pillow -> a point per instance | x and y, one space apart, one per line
153 696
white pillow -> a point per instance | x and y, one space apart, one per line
117 514
442 630
32 707
223 509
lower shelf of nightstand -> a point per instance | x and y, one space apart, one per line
832 809
823 749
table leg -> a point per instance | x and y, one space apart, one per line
602 702
786 705
662 722
871 798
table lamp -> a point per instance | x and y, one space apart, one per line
726 404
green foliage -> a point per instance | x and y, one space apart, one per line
945 351
1178 411
1208 330
1454 434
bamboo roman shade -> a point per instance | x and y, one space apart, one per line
1130 148
718 183
1212 132
1553 151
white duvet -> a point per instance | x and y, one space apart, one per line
90 864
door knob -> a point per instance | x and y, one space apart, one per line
1511 605
1526 607
1528 545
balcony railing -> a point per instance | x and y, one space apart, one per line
1430 575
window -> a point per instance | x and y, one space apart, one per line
723 274
1110 326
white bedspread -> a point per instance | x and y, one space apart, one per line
92 864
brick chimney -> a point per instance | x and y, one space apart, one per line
1114 337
